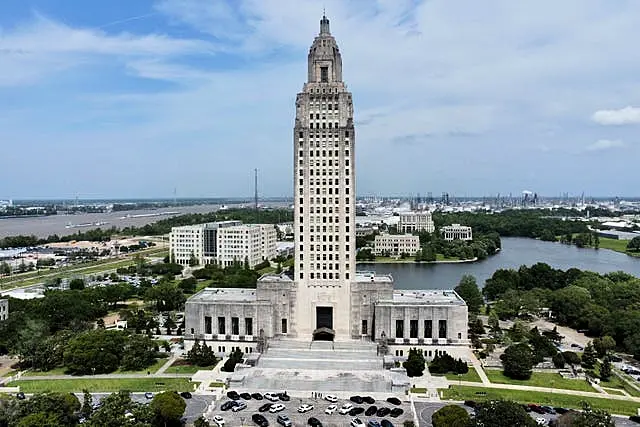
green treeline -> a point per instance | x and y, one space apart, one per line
599 304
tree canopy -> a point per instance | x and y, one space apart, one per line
469 292
451 416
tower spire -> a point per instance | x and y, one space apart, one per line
324 24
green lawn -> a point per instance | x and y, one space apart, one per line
440 257
620 407
186 369
62 371
616 382
615 391
103 385
540 379
472 376
54 371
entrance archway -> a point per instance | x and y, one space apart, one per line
324 334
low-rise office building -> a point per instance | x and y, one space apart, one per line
396 244
410 222
456 232
199 241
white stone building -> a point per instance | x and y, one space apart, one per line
410 222
325 299
4 309
396 244
199 240
456 232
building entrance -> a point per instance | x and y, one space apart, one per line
324 324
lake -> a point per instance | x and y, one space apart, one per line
515 252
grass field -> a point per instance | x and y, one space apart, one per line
472 376
616 382
179 367
62 371
615 391
103 385
620 407
540 379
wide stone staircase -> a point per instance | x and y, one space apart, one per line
320 366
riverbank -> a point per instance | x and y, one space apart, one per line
615 245
384 260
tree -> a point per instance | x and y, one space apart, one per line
201 422
589 356
165 296
94 352
468 291
234 358
502 413
586 418
571 357
76 284
558 360
605 369
193 261
168 407
87 404
113 408
138 353
45 408
517 361
5 268
634 244
603 345
451 416
415 363
188 286
202 355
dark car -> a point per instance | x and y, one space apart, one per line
383 412
186 395
536 408
635 418
313 421
257 396
371 410
284 397
394 401
561 410
470 403
356 399
21 395
386 423
228 405
548 410
233 395
526 408
245 396
260 420
396 412
265 407
369 400
373 423
356 411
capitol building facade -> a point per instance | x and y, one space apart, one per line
327 298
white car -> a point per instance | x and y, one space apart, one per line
541 421
271 396
277 408
218 420
331 409
240 405
305 408
357 422
345 408
331 398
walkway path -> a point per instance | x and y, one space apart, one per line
167 364
478 367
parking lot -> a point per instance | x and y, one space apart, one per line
243 417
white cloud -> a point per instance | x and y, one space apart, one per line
623 116
605 144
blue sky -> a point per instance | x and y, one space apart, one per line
121 98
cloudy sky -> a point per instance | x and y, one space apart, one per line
121 98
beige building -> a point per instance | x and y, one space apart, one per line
4 309
456 232
325 298
410 222
396 244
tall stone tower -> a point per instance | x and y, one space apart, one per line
324 192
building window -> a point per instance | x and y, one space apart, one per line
235 326
442 329
413 329
221 326
207 324
248 326
284 326
428 325
324 74
400 328
364 327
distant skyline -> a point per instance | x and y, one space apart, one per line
133 99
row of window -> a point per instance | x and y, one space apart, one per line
331 153
235 325
323 172
325 256
428 328
222 349
324 248
332 191
325 276
301 209
329 266
324 135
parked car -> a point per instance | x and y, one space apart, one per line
313 421
386 423
561 410
283 420
186 395
265 407
239 406
305 408
470 403
394 401
331 398
257 396
148 395
635 418
218 420
233 395
245 396
269 396
356 399
284 396
331 409
260 420
356 422
383 412
277 408
371 410
548 410
369 400
396 412
228 405
356 411
345 409
373 423
20 395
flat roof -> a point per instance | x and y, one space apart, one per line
224 294
371 276
430 296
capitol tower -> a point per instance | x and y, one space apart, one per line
324 192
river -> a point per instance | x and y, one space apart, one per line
515 252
